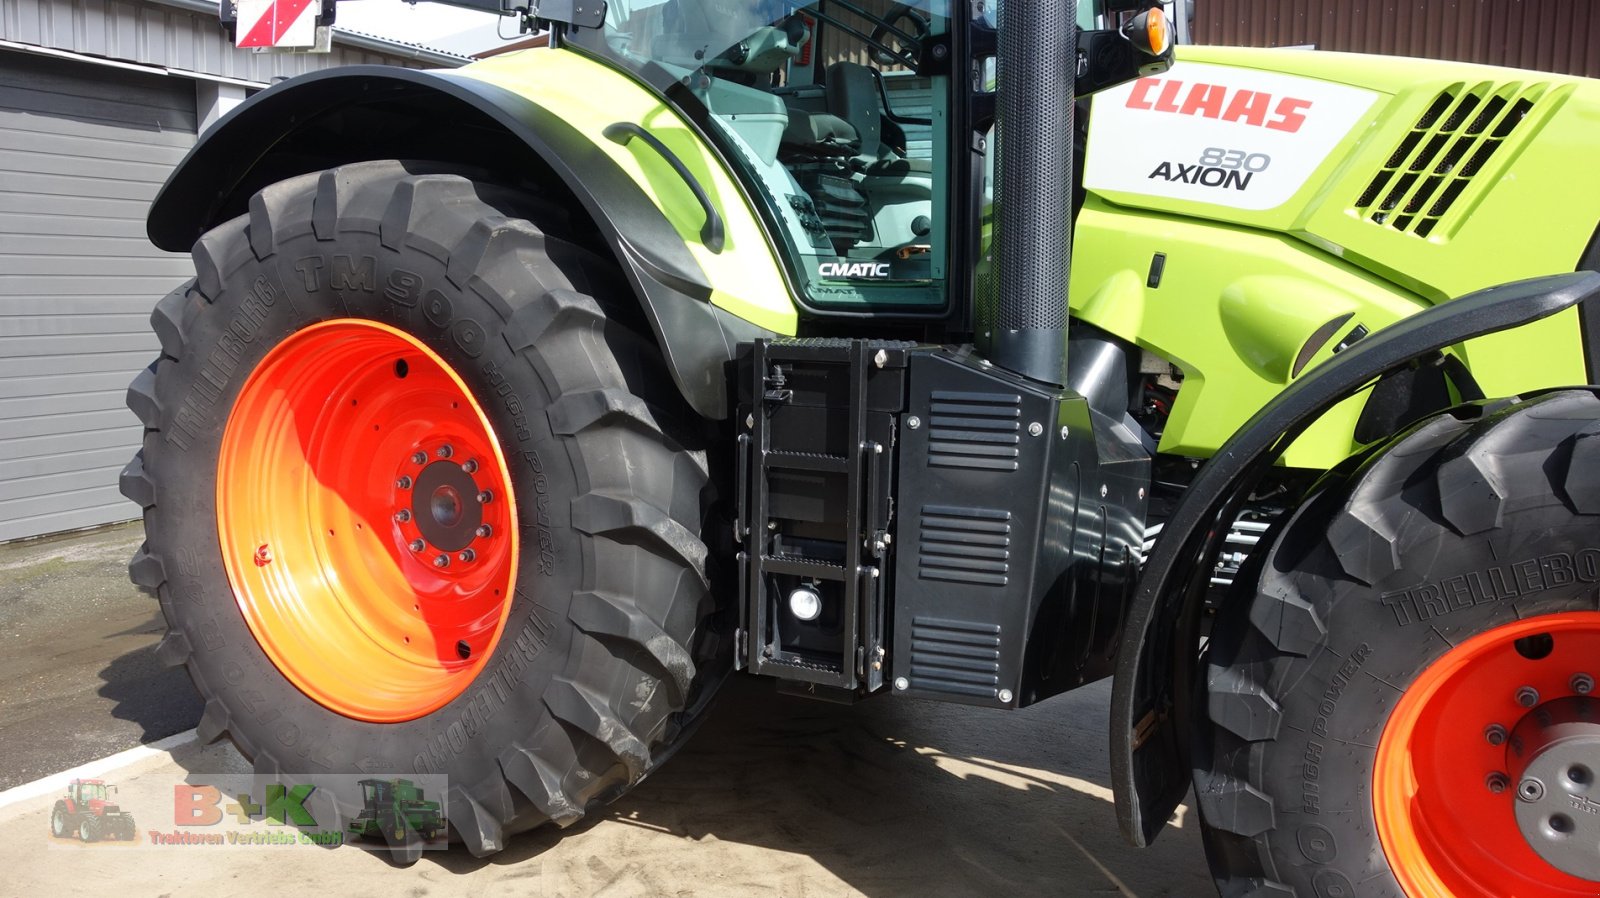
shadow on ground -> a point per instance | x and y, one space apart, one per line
780 795
159 700
890 797
66 606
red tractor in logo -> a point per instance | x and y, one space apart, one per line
87 812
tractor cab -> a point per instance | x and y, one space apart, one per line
839 114
89 792
376 793
863 141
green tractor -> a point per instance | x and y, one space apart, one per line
905 350
390 807
88 814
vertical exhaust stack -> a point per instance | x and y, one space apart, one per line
1022 322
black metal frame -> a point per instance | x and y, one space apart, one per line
789 441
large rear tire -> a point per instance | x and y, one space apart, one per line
1421 640
358 356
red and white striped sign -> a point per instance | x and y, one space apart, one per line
277 23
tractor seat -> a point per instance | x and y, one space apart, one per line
853 96
822 135
899 166
819 134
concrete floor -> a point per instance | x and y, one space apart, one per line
78 674
774 796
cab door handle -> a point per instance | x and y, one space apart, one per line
711 232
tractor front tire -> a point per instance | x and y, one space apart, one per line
1400 704
88 830
420 497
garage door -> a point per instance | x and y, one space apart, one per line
83 149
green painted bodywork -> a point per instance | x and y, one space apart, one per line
747 277
1243 290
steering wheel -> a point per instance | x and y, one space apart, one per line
899 44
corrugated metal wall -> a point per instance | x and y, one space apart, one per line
1547 35
84 146
81 156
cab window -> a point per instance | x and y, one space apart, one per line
824 105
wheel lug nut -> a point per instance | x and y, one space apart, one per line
1582 683
441 561
402 515
263 555
467 555
404 482
485 497
1497 782
470 466
418 458
484 530
1530 790
1527 696
1496 734
418 545
445 451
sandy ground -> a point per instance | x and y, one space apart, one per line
774 796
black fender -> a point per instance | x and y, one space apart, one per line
360 113
1151 719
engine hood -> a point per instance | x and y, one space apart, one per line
1442 178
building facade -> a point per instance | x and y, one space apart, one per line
99 99
1545 35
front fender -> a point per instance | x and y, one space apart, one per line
1150 714
519 118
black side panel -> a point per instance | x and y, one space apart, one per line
359 113
1020 513
1150 718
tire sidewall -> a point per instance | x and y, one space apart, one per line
1319 770
262 303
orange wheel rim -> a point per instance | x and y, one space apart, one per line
1458 746
366 520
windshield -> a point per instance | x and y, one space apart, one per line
91 791
836 114
694 33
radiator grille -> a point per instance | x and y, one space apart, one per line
974 430
1464 130
964 545
952 656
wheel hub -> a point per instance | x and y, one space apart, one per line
1472 787
1555 755
444 504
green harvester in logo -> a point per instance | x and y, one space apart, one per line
389 807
